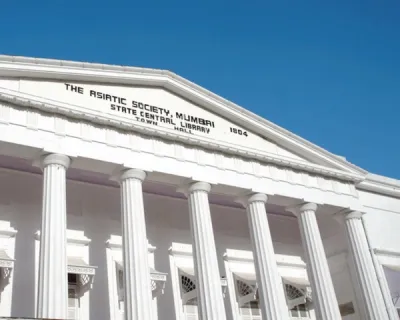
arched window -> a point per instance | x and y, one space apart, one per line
247 296
188 293
298 301
188 288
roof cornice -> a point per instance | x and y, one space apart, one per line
80 71
381 185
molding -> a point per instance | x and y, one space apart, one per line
381 185
386 252
6 263
8 232
181 249
71 239
233 255
158 276
115 242
78 240
82 270
12 66
290 261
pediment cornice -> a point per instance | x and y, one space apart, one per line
325 164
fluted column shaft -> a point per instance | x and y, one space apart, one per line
326 305
137 286
370 292
52 299
208 279
271 293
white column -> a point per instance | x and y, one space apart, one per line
208 279
52 299
370 293
326 305
271 293
137 286
358 307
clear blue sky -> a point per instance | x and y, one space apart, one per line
328 72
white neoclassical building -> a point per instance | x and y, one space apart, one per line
131 193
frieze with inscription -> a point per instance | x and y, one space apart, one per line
158 110
153 115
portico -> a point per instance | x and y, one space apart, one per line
243 164
138 299
210 300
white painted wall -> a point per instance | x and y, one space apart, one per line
382 223
382 220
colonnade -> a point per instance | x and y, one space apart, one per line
52 286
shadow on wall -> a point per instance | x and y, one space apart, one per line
99 299
98 220
98 230
163 241
23 302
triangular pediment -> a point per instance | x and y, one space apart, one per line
161 102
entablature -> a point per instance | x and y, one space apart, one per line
84 139
77 113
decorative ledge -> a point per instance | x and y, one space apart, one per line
239 255
73 237
181 249
387 252
77 265
380 187
115 242
6 230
